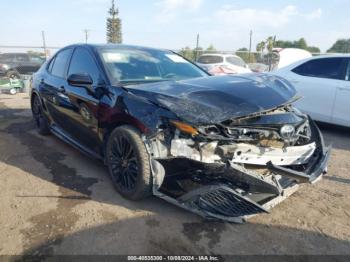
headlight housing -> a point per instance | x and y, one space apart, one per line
186 128
287 132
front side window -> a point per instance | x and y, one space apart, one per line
60 63
83 63
323 68
235 61
210 59
132 66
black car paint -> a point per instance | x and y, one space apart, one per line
211 100
87 117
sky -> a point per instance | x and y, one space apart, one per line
174 24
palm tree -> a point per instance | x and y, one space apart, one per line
270 43
260 47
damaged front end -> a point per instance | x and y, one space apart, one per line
239 167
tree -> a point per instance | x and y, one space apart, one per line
114 26
244 54
187 52
301 43
270 42
313 49
260 47
211 48
340 46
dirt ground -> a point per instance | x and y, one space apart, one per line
55 200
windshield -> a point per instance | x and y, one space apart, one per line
210 59
132 65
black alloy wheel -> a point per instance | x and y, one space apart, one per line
128 163
40 121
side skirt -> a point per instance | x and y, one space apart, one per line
58 132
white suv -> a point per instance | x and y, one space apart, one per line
223 64
324 84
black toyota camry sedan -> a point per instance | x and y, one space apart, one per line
224 147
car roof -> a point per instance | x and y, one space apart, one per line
299 62
330 56
111 46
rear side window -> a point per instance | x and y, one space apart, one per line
210 59
60 63
51 64
235 61
323 68
83 63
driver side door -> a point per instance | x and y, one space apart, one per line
81 109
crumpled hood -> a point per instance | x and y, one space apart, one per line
210 100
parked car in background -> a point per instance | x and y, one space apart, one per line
223 147
285 56
12 65
221 64
324 84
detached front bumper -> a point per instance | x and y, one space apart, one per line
315 172
230 191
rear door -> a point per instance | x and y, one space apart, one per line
341 112
317 81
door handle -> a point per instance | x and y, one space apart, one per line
61 89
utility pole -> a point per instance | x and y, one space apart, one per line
250 44
44 43
197 46
86 31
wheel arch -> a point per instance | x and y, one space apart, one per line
108 129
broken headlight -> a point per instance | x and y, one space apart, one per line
185 127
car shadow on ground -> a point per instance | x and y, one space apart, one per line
75 173
337 136
160 237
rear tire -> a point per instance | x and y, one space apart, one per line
41 122
128 163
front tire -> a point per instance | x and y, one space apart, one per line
41 122
128 163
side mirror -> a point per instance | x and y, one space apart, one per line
81 80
